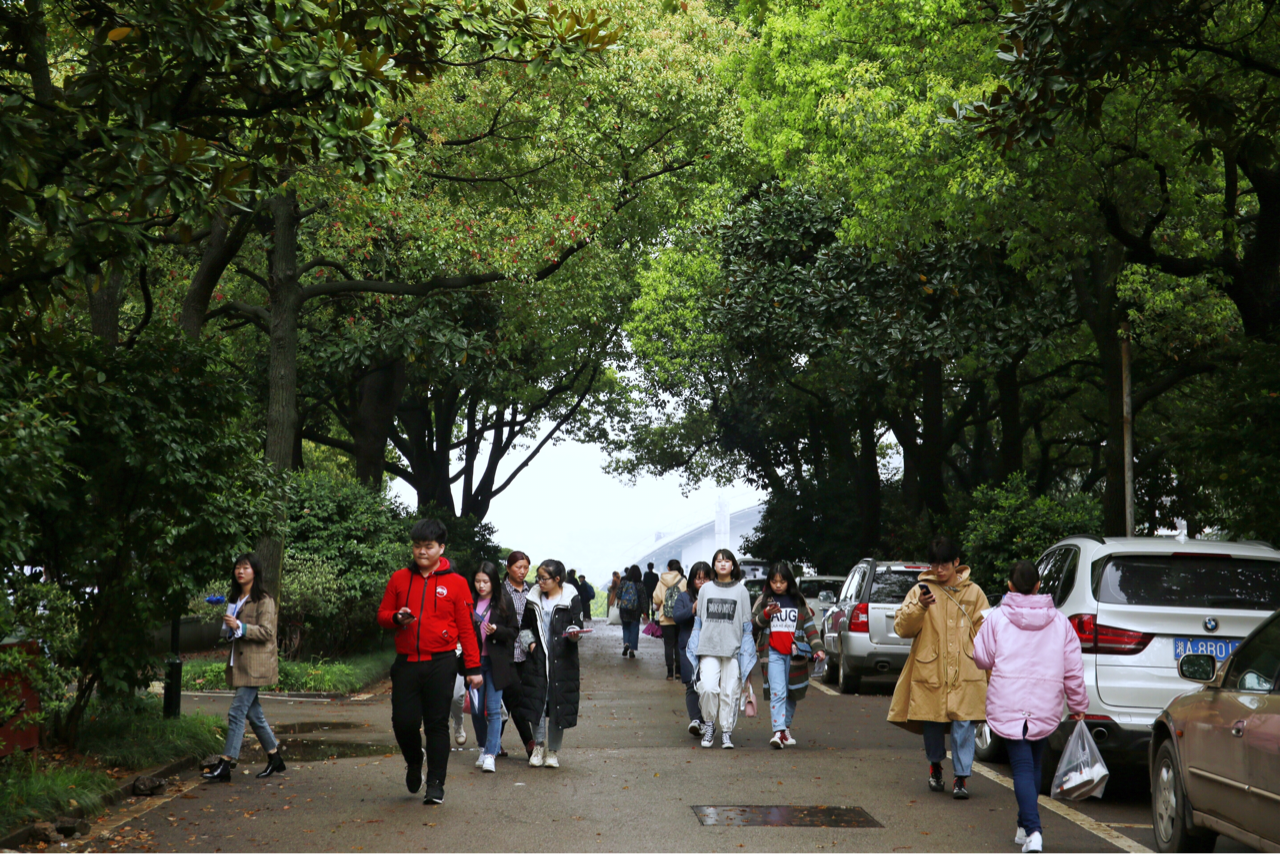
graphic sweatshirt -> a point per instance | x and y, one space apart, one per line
724 608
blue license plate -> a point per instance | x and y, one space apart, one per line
1219 648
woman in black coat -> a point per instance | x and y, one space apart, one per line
550 675
496 628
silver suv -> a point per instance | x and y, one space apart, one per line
858 630
1138 605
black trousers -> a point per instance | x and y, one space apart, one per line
421 692
512 698
669 635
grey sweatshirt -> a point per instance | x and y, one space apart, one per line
724 608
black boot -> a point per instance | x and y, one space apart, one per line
221 771
275 765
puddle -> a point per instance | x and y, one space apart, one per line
784 816
314 726
318 750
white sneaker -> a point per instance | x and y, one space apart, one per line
708 733
487 763
695 727
480 760
776 741
725 741
552 760
1020 838
787 738
460 734
1033 843
537 757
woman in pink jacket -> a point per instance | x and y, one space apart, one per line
1034 658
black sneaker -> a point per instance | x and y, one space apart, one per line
935 777
435 794
413 776
958 789
624 650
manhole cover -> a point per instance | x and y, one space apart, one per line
784 816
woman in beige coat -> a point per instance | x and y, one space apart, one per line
250 626
940 687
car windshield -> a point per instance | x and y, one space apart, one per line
1190 581
754 587
892 585
812 587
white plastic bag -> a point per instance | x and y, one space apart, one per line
1081 772
615 615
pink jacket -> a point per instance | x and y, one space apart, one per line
1033 654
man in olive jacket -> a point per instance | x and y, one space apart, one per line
940 686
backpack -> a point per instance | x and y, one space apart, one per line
669 602
586 591
629 599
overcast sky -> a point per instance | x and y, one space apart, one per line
563 506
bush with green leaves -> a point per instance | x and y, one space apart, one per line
1007 525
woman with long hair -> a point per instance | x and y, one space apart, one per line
630 603
725 649
496 628
549 632
684 614
250 626
787 638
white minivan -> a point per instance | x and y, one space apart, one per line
1138 604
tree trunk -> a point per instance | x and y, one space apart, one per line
282 365
933 443
104 306
1103 312
1009 413
868 483
372 419
224 244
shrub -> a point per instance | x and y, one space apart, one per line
338 677
134 734
31 793
323 611
1006 525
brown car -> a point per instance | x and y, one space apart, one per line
1215 751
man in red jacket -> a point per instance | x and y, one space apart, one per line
428 605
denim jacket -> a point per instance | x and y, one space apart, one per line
746 650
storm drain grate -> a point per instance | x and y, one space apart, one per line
784 816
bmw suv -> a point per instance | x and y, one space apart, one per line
1138 605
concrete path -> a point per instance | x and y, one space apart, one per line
629 777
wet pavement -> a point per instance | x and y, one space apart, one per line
632 779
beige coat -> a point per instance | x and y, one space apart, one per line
255 655
940 682
666 581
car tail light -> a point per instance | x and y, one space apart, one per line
860 618
1107 640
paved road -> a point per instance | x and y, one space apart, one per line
630 775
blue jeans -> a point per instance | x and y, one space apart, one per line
245 705
489 737
1024 759
631 633
935 746
781 707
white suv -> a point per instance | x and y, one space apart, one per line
1140 604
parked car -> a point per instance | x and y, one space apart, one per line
820 592
858 630
1215 751
1138 605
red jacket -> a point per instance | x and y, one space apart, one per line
441 605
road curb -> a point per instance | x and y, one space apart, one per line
18 837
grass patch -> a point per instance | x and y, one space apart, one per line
32 793
343 676
135 735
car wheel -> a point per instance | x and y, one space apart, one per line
849 682
1169 809
832 673
987 746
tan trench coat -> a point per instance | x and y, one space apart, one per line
940 682
256 659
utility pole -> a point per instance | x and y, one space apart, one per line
1127 390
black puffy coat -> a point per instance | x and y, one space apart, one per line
556 676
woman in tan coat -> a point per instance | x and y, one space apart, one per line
940 687
250 626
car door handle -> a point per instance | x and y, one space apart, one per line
1238 729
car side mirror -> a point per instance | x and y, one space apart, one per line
826 597
1198 668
